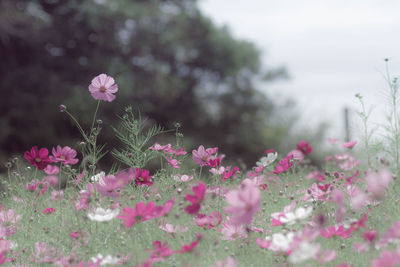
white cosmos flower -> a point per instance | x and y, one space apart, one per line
105 260
102 215
299 214
304 252
265 161
97 177
280 242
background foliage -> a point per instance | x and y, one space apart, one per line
169 60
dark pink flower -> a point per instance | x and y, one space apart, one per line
66 155
201 156
211 221
142 177
39 158
196 199
284 164
304 147
48 211
103 88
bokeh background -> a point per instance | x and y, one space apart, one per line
245 75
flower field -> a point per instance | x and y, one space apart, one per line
59 208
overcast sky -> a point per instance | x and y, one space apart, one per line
333 49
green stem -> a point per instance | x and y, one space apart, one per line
78 125
94 117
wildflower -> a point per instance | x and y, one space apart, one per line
265 161
142 177
284 164
97 177
315 175
229 262
105 260
297 155
280 242
378 183
51 170
335 231
211 221
66 155
39 158
304 147
160 250
243 204
48 211
228 173
173 162
387 258
300 213
103 88
102 215
232 232
305 251
201 157
169 228
349 145
196 199
184 178
84 198
140 213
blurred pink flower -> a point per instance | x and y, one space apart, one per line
297 155
229 262
377 183
284 164
304 147
39 158
66 155
349 144
243 204
196 199
52 170
387 259
48 210
232 232
103 88
140 213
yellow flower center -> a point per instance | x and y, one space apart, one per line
103 89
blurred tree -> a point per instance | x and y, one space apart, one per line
168 59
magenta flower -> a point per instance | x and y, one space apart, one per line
201 156
103 88
284 164
142 177
39 158
377 183
243 204
48 210
66 155
140 213
196 199
304 147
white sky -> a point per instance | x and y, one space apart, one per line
332 49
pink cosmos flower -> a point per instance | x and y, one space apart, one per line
229 262
297 155
57 195
243 204
66 155
316 175
142 177
39 158
377 183
103 88
173 162
52 170
232 232
201 156
284 164
48 210
110 186
350 144
304 147
211 221
160 250
196 199
387 258
184 178
140 213
335 231
84 198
